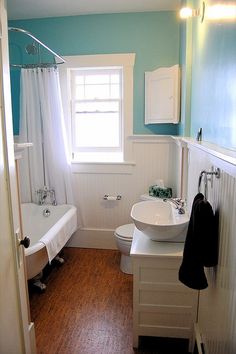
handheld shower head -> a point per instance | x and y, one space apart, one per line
31 49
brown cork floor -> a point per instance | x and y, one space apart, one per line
87 309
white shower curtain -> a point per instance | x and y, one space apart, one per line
42 123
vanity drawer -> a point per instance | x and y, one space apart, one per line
167 297
158 275
166 317
160 271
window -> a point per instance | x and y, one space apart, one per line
97 92
97 118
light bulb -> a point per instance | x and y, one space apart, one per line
186 12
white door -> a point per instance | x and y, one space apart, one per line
16 331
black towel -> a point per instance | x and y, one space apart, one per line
201 245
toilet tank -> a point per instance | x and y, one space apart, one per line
148 197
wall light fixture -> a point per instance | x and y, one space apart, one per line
214 12
188 12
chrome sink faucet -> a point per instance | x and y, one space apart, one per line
179 204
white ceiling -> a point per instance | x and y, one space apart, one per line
26 9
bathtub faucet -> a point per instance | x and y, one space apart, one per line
53 196
179 204
44 193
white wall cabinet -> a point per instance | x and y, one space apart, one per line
162 95
162 306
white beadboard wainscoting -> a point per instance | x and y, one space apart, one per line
217 304
154 157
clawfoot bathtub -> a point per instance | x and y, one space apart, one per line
49 228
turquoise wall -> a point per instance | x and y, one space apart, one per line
207 57
154 37
213 100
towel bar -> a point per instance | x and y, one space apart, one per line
205 173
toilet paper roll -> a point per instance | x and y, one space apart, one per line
109 197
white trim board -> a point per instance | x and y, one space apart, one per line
221 157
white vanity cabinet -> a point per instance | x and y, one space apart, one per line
162 306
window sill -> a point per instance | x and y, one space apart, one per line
103 167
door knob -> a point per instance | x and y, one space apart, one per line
25 242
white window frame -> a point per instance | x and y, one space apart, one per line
94 71
126 61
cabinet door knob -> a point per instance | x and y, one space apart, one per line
25 242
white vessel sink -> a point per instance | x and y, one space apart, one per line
160 221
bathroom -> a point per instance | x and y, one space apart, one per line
207 65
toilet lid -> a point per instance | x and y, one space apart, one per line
125 231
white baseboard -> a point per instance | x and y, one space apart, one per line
199 343
32 338
93 238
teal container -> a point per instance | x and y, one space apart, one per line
160 192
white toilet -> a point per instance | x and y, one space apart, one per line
124 236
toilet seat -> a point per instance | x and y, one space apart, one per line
125 232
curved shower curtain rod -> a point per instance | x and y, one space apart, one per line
45 65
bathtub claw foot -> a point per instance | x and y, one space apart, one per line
59 260
39 285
